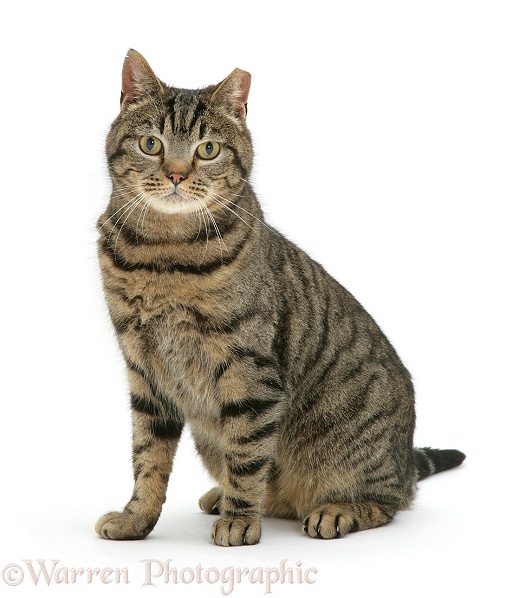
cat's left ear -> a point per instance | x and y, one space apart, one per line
233 92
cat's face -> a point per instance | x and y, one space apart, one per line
178 151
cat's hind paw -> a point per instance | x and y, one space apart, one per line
210 502
328 522
236 531
337 520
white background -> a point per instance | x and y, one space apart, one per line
383 133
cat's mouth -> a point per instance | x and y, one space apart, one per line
174 194
173 201
177 196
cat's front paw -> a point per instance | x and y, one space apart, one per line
236 531
123 526
210 502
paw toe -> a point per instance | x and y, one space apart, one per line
122 526
236 531
325 523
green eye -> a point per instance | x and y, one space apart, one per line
150 145
208 150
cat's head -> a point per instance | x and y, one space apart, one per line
177 151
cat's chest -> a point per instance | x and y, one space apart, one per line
157 327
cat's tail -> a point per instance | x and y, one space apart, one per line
429 460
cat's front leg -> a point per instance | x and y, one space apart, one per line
157 425
249 416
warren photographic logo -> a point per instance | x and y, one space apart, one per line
151 572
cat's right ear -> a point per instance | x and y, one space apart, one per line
138 80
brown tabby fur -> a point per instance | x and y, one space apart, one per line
298 405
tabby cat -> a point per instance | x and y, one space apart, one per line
298 405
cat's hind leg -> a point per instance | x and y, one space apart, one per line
336 520
210 502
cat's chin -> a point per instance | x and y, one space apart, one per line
174 204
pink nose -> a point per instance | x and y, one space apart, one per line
176 177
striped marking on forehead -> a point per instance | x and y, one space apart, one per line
184 114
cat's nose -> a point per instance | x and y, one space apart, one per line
176 177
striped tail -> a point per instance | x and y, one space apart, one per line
429 461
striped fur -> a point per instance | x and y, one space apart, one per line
298 405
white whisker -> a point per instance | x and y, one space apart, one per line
133 207
126 207
120 209
145 211
197 214
147 198
203 222
218 232
229 209
244 210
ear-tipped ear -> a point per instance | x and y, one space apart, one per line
138 80
233 92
